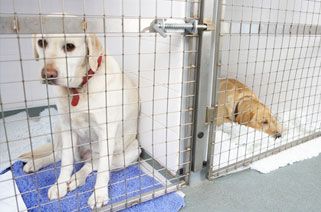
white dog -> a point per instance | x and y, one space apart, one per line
98 107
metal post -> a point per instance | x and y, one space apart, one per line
215 85
189 26
208 61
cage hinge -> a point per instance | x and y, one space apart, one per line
84 25
15 24
163 26
210 114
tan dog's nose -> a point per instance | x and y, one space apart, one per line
49 73
277 135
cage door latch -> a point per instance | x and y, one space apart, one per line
163 26
210 114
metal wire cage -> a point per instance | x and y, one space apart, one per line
164 70
272 47
178 53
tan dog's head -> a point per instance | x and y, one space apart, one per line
67 58
254 114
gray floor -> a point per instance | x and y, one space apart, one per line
292 188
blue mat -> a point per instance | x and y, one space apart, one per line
34 188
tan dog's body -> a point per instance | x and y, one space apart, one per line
237 103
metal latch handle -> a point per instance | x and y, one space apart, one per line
162 26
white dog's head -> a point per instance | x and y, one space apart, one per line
67 58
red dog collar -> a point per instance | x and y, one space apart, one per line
90 74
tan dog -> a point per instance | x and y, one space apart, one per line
237 103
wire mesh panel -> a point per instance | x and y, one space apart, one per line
268 89
107 85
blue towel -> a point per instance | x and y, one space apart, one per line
34 188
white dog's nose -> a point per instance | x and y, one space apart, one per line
49 73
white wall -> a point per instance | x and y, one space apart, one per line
12 94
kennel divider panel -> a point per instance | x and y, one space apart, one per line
206 61
180 65
273 48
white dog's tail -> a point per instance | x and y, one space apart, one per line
41 151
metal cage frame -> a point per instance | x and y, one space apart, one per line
17 24
203 30
265 28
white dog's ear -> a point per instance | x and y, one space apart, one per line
95 50
34 47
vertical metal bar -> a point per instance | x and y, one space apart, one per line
55 169
153 100
222 140
68 96
186 103
122 93
205 65
237 76
88 104
314 68
24 93
301 78
138 90
9 152
259 36
167 102
106 91
207 62
274 47
215 84
310 59
261 80
287 47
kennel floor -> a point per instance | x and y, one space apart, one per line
294 188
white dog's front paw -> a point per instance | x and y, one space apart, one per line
98 198
29 167
73 183
59 191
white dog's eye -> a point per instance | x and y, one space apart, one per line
69 47
42 43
